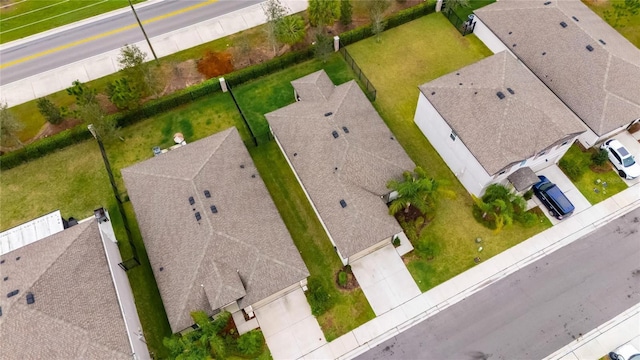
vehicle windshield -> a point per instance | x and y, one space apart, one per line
628 161
547 186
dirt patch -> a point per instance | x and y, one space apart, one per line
106 104
181 75
214 64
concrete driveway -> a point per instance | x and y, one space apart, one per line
555 175
631 143
385 280
289 327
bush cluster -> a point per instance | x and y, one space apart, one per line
250 344
318 296
573 169
342 278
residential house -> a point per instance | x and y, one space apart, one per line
214 237
495 122
64 296
343 155
586 63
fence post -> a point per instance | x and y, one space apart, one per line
336 43
439 5
223 84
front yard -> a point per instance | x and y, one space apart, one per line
407 57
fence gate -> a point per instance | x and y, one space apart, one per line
464 26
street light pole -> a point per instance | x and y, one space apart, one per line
114 187
143 32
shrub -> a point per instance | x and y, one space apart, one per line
50 111
600 157
428 246
527 219
318 296
527 196
573 170
250 344
342 278
396 241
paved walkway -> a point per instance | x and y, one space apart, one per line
486 273
104 64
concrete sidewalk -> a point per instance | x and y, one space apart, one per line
479 277
95 67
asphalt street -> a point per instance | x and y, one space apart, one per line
538 309
108 34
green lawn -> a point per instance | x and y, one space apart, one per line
588 183
275 91
74 181
431 47
25 18
628 26
463 12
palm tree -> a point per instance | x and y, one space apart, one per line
416 189
499 206
290 29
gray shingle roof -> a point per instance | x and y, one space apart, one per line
523 178
499 132
205 263
353 167
76 314
600 86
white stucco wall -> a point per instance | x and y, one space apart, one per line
459 159
488 37
590 138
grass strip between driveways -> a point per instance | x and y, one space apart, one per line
408 56
591 183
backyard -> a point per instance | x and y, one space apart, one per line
625 22
430 47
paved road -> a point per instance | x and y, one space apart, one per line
537 310
107 34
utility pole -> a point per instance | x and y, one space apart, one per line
143 32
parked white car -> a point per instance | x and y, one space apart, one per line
622 159
625 352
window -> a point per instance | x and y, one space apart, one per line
564 143
502 172
453 135
523 162
542 152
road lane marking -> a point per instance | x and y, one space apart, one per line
53 17
105 34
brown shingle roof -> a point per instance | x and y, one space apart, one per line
499 132
600 86
205 263
354 167
76 314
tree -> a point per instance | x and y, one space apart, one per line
416 189
138 72
450 5
323 12
323 46
123 95
50 111
290 30
84 95
9 127
89 111
346 12
275 12
498 207
376 10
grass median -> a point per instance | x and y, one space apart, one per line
408 56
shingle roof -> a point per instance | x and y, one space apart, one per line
600 86
353 167
242 251
523 178
76 314
499 132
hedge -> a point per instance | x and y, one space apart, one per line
187 95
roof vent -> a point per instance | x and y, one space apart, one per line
510 32
13 293
343 203
602 42
241 166
459 83
2 261
548 3
575 18
295 154
563 24
30 299
18 258
433 93
589 47
392 138
161 268
328 113
214 209
510 90
198 217
253 176
207 194
0 310
500 95
345 129
191 201
544 53
335 134
514 45
6 278
458 73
